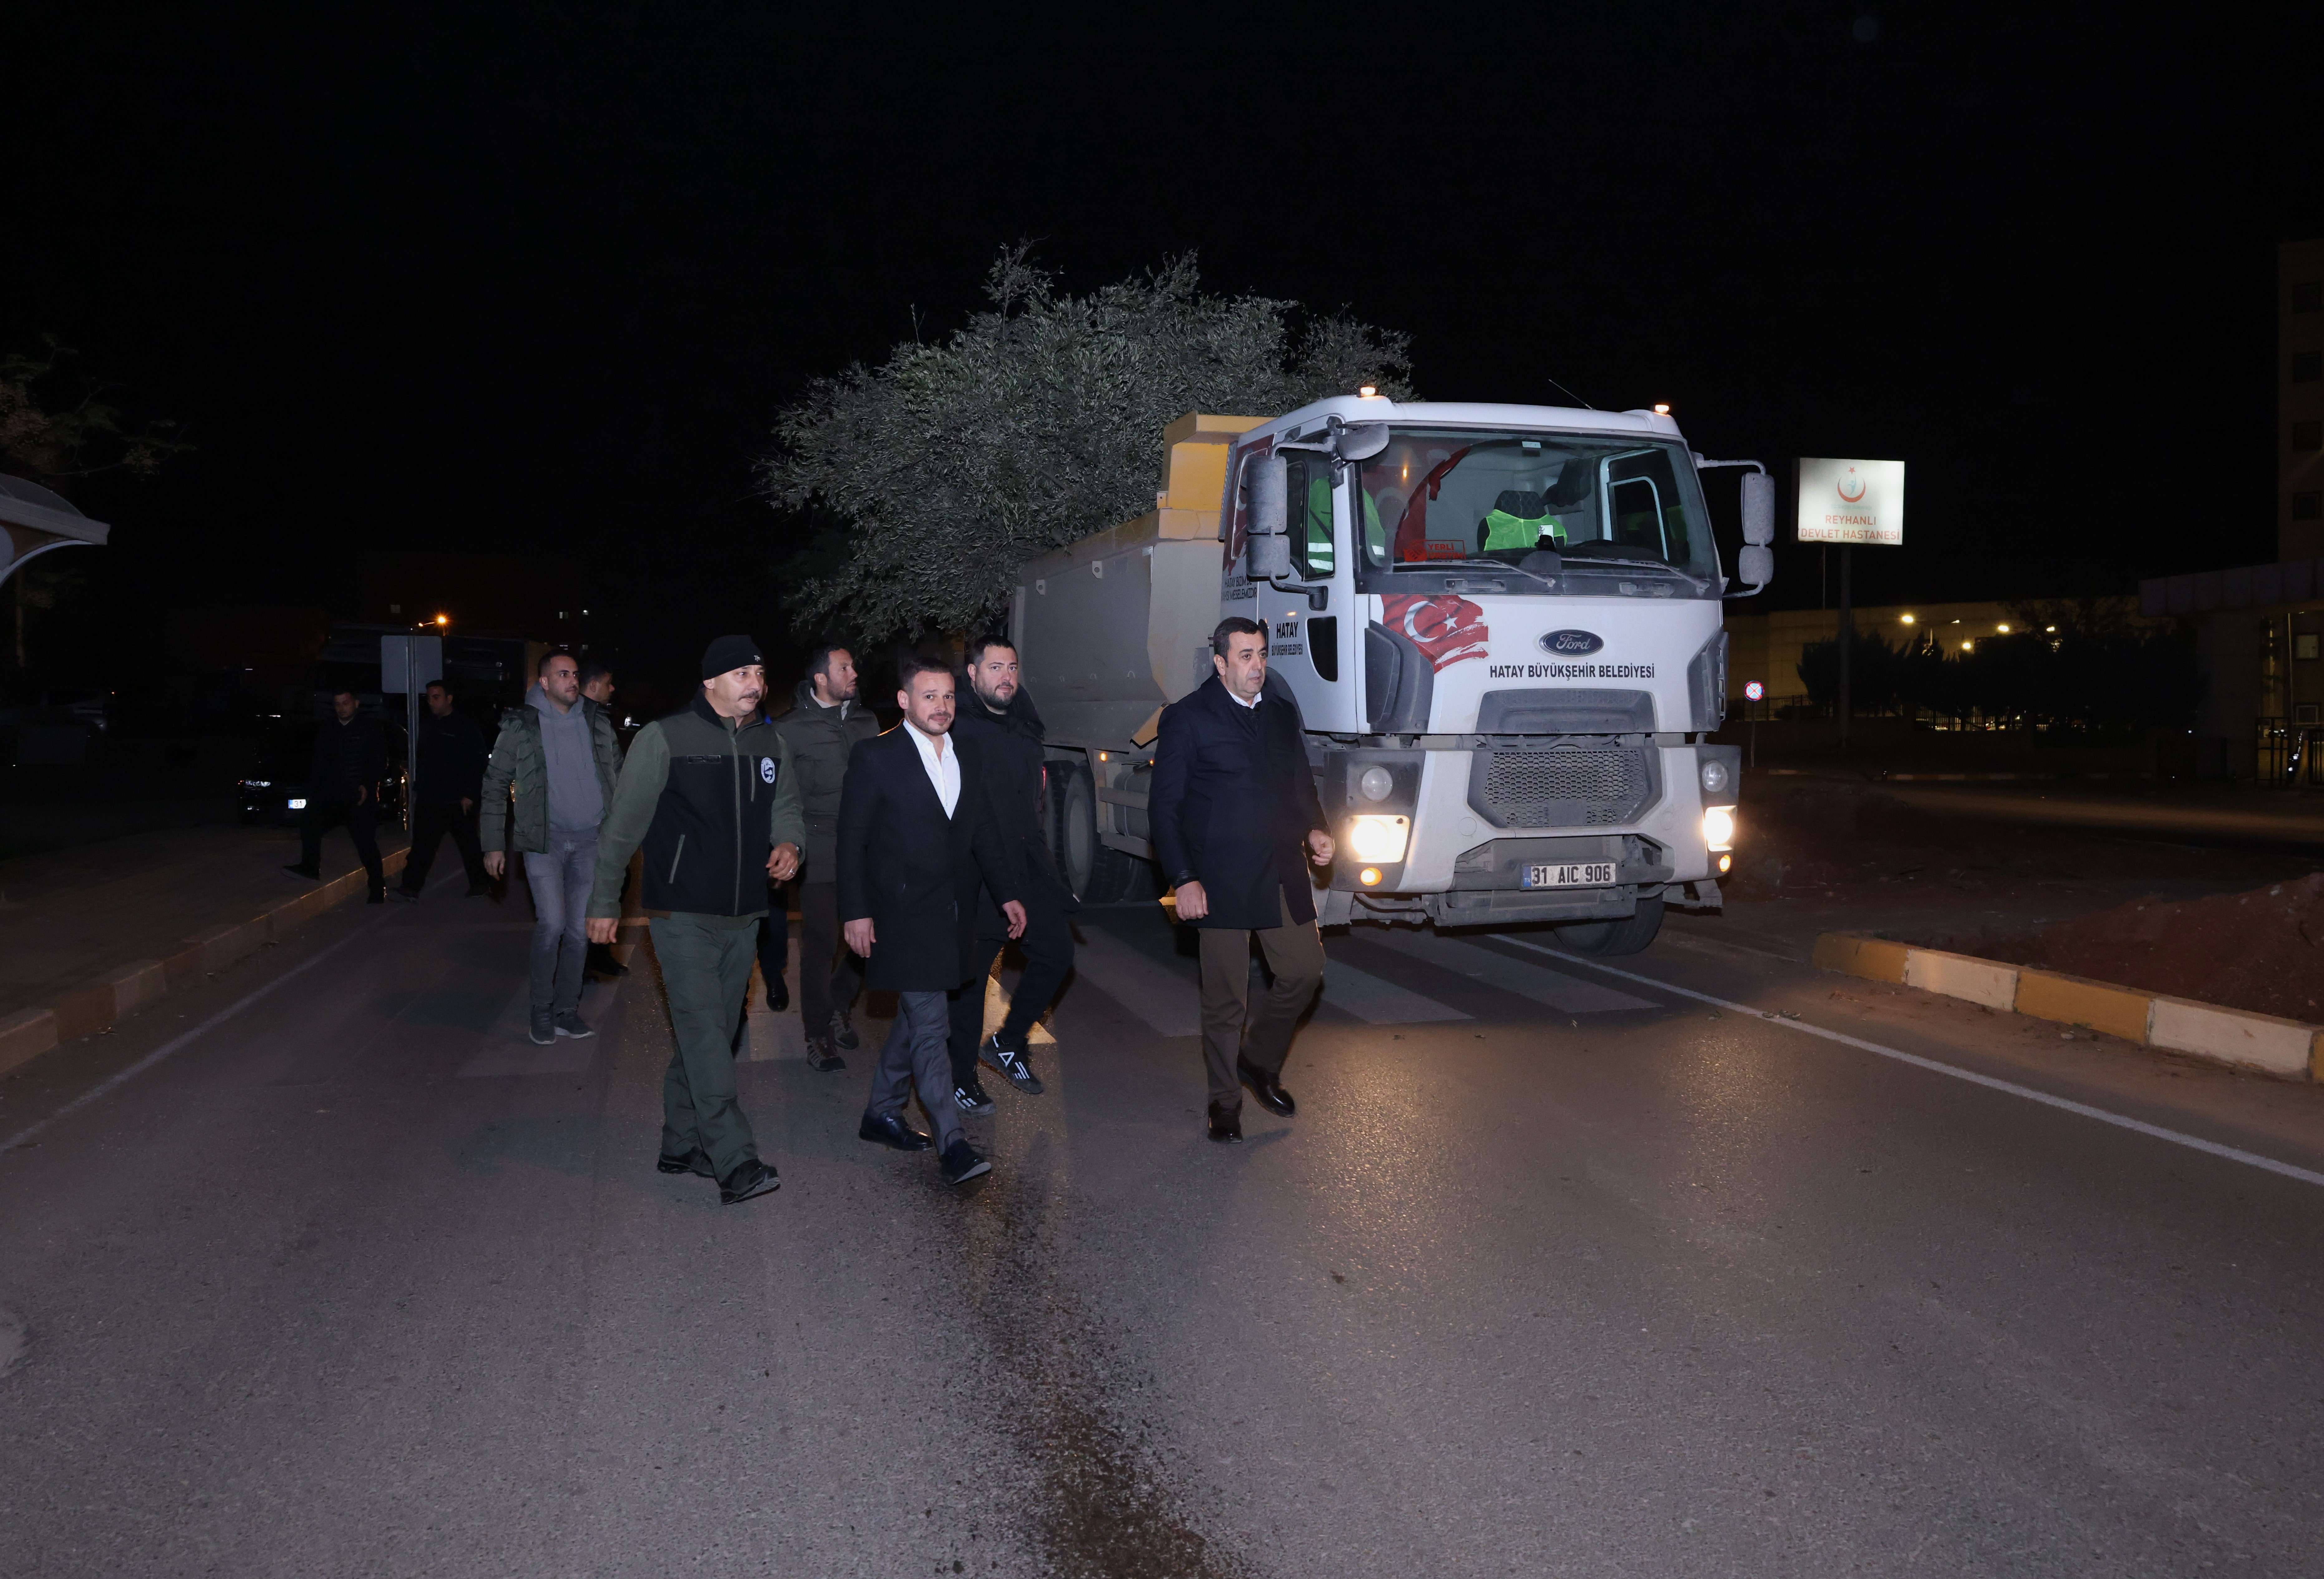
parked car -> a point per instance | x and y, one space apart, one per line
274 787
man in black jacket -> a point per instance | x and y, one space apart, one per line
444 795
914 831
1232 803
998 724
343 786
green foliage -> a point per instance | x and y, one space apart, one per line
1036 423
51 440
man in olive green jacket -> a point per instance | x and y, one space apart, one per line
558 757
711 795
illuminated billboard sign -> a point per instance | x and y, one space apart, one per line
1852 502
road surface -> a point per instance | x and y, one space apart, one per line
322 1269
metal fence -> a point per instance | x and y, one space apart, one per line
2291 753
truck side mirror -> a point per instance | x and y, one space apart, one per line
1270 482
1754 567
1270 556
1759 511
1360 440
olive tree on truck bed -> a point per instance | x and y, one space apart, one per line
1031 426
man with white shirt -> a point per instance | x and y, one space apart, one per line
915 833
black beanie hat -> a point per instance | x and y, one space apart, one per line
729 653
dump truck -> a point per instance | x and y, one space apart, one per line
1501 628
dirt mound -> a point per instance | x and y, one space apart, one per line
2263 951
1811 833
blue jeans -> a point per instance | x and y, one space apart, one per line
561 882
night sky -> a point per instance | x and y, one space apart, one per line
490 309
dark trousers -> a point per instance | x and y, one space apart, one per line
775 935
915 1056
829 975
1049 949
430 821
706 971
1295 954
323 814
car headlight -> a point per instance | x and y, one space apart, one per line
295 804
1719 828
1372 837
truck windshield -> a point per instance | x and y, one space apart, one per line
1435 496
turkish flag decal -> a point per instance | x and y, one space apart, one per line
1447 629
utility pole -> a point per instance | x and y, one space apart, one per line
1847 637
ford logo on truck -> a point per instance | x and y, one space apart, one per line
1570 643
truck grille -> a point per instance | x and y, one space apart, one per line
1579 787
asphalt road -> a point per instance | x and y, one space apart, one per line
1556 1272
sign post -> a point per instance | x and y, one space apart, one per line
407 663
1848 503
1752 693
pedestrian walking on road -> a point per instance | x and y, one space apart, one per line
711 795
557 755
1235 818
445 793
915 830
343 778
597 686
825 722
998 724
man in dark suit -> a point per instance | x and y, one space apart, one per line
1232 804
343 786
916 829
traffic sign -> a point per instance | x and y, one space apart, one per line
1754 691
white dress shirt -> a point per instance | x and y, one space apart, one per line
942 763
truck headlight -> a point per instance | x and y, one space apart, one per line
1377 838
1714 776
1719 828
1377 783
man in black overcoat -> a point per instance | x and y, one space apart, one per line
343 782
916 829
998 724
1235 818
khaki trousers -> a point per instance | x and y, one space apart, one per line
1295 952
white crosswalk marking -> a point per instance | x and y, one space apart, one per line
1554 988
1168 1001
1367 997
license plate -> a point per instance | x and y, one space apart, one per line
1582 874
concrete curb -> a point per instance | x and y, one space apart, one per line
2289 1048
119 992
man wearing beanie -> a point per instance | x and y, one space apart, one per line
710 794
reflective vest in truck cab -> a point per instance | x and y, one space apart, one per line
1518 520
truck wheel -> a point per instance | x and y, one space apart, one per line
1098 874
1629 935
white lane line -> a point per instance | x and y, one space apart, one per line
1555 988
1163 999
185 1038
2121 1120
1378 1000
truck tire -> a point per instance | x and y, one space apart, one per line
1629 935
1097 873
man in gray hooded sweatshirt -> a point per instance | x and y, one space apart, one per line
554 764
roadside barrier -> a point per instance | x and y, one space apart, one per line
123 991
2287 1048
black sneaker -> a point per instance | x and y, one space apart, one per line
377 896
970 1096
961 1163
696 1161
820 1057
1009 1061
754 1177
571 1024
842 1032
543 1031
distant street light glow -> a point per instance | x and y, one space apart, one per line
1908 619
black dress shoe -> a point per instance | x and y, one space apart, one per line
891 1130
696 1161
1226 1122
754 1177
779 995
1267 1087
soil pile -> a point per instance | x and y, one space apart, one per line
2263 951
1807 834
